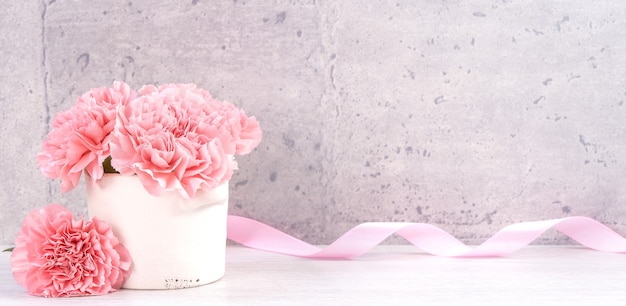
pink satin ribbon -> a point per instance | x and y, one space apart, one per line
429 238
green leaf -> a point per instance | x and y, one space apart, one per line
8 250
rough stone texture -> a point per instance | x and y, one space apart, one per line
23 114
468 115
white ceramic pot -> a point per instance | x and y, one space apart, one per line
174 242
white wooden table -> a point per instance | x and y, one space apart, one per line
389 275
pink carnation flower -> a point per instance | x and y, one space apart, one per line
173 139
79 139
242 133
56 255
246 133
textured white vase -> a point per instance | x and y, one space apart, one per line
174 242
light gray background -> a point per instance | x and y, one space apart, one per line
466 114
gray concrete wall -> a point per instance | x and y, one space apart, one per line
465 114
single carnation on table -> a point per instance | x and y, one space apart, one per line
56 255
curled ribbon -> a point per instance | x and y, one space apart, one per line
431 239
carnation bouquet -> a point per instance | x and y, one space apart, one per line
173 137
173 141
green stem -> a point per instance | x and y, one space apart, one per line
108 168
8 250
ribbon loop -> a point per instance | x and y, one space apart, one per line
431 239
